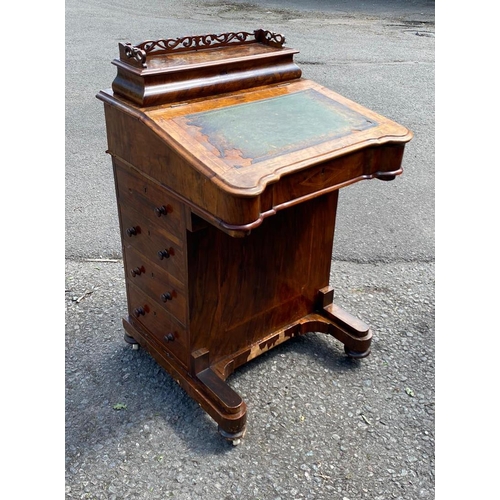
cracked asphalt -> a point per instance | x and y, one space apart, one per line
320 426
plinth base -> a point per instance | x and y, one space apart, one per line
205 382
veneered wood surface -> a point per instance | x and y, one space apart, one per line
236 188
242 288
177 76
238 197
173 62
251 180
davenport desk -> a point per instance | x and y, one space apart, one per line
227 168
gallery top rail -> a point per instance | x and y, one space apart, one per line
136 55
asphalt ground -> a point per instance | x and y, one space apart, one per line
319 425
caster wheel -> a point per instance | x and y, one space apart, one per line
234 438
356 354
131 341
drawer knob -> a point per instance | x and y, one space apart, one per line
169 337
139 311
166 296
137 271
159 211
132 231
163 254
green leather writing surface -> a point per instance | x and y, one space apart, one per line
272 127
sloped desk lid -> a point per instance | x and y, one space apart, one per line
251 138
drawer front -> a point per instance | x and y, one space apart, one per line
149 199
168 334
154 242
156 283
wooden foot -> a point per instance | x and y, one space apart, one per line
351 331
230 409
207 388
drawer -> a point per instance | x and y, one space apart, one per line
154 242
169 335
156 283
148 198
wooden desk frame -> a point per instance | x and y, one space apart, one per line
227 256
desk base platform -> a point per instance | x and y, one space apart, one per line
207 384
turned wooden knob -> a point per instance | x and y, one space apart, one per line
166 296
159 211
137 271
139 311
169 337
132 231
163 254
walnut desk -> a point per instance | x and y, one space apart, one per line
227 168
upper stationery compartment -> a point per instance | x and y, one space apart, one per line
172 70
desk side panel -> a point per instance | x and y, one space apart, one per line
241 289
